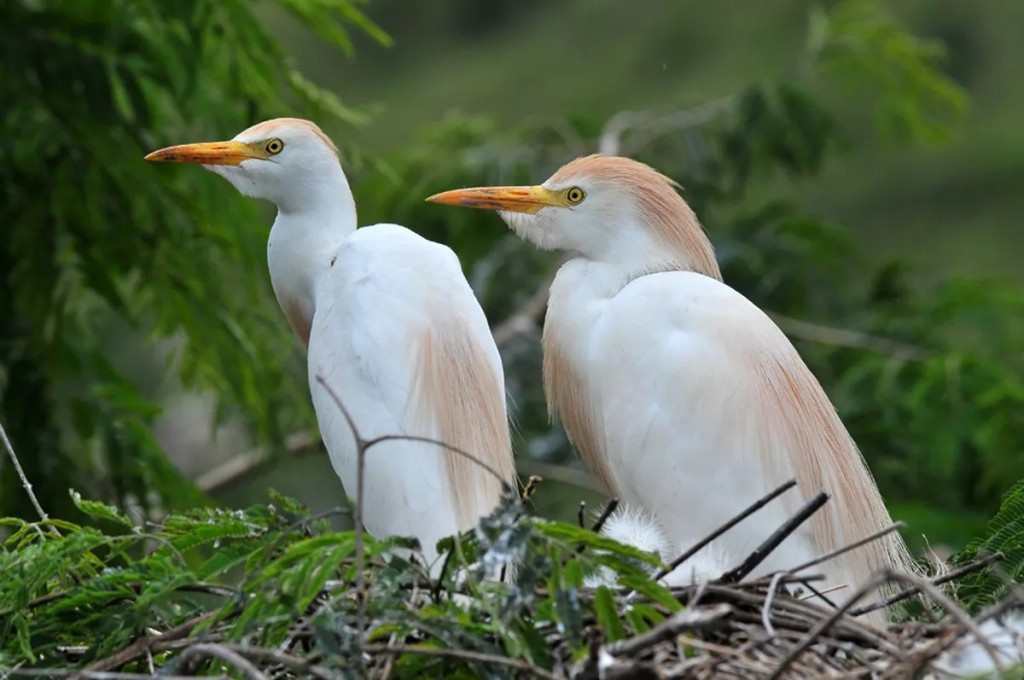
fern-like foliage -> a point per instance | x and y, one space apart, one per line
101 252
1004 534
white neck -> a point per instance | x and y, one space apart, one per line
304 240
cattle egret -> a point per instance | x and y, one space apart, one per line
392 326
679 393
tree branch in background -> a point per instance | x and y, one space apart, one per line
650 126
845 337
526 319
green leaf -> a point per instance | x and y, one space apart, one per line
100 510
607 614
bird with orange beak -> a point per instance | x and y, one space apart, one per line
391 326
681 395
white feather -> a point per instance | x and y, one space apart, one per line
969 658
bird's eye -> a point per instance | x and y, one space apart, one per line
575 195
274 146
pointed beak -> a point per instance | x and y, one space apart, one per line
512 199
206 153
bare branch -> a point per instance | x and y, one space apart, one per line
653 126
252 461
361 446
724 528
221 652
525 319
844 337
25 484
465 654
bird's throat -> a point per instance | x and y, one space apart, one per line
300 253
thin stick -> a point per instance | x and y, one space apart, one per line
782 533
824 625
465 654
691 618
724 528
945 578
361 447
581 514
953 610
768 601
224 654
282 658
605 514
25 484
437 442
598 525
98 675
847 548
139 647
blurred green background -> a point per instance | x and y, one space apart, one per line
859 166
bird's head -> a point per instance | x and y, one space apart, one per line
605 208
281 160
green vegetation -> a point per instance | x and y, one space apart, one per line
95 238
104 255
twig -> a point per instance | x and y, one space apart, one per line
437 442
846 548
206 649
772 589
690 619
772 542
563 474
845 337
252 461
953 610
98 675
361 447
25 484
750 510
945 578
531 487
465 654
524 319
139 647
610 142
605 514
282 658
581 514
825 623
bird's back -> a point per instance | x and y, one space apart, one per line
697 405
401 339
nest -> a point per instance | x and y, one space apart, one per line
730 627
754 631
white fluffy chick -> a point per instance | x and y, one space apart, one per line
636 527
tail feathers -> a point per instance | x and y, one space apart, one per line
460 395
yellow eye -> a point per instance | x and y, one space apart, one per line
274 146
575 195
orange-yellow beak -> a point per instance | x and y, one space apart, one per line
513 199
207 153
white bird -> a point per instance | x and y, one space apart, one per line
390 324
679 393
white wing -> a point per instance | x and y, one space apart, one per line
699 405
402 341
